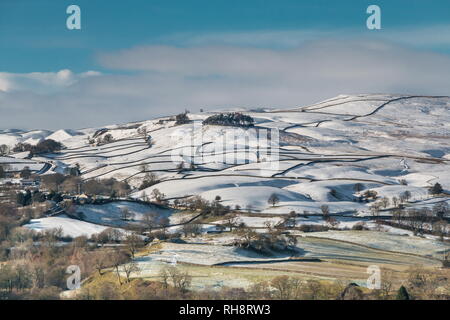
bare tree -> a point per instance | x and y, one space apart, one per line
375 209
25 173
232 222
333 223
358 187
101 260
398 215
325 211
191 229
286 287
4 150
126 214
118 257
108 138
179 280
149 221
71 185
405 196
153 220
395 201
384 202
157 195
416 220
133 243
440 229
2 172
441 209
53 181
273 199
180 167
290 220
387 284
129 268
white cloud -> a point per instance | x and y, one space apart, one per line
166 80
435 36
262 39
41 82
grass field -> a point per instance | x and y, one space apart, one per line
339 260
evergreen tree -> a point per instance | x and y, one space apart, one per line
273 200
402 294
24 198
436 189
236 119
25 173
182 118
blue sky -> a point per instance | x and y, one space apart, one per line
33 36
194 51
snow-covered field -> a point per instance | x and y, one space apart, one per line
70 227
404 242
110 214
386 143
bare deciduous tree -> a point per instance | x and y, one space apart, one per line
129 268
133 243
325 211
179 280
273 200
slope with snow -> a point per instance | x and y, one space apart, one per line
377 140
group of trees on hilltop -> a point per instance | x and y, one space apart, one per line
423 220
149 180
235 119
436 189
182 118
266 243
44 146
56 186
73 184
107 138
207 208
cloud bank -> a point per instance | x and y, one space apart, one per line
163 80
41 82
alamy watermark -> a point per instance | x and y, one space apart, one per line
73 22
374 20
374 280
74 280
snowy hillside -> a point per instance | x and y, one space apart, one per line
333 175
386 143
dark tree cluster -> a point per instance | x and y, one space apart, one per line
266 243
182 118
150 179
423 220
207 208
235 119
74 185
44 146
436 189
106 187
28 197
2 172
9 219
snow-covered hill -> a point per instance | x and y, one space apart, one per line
380 141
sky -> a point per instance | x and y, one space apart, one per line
139 59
